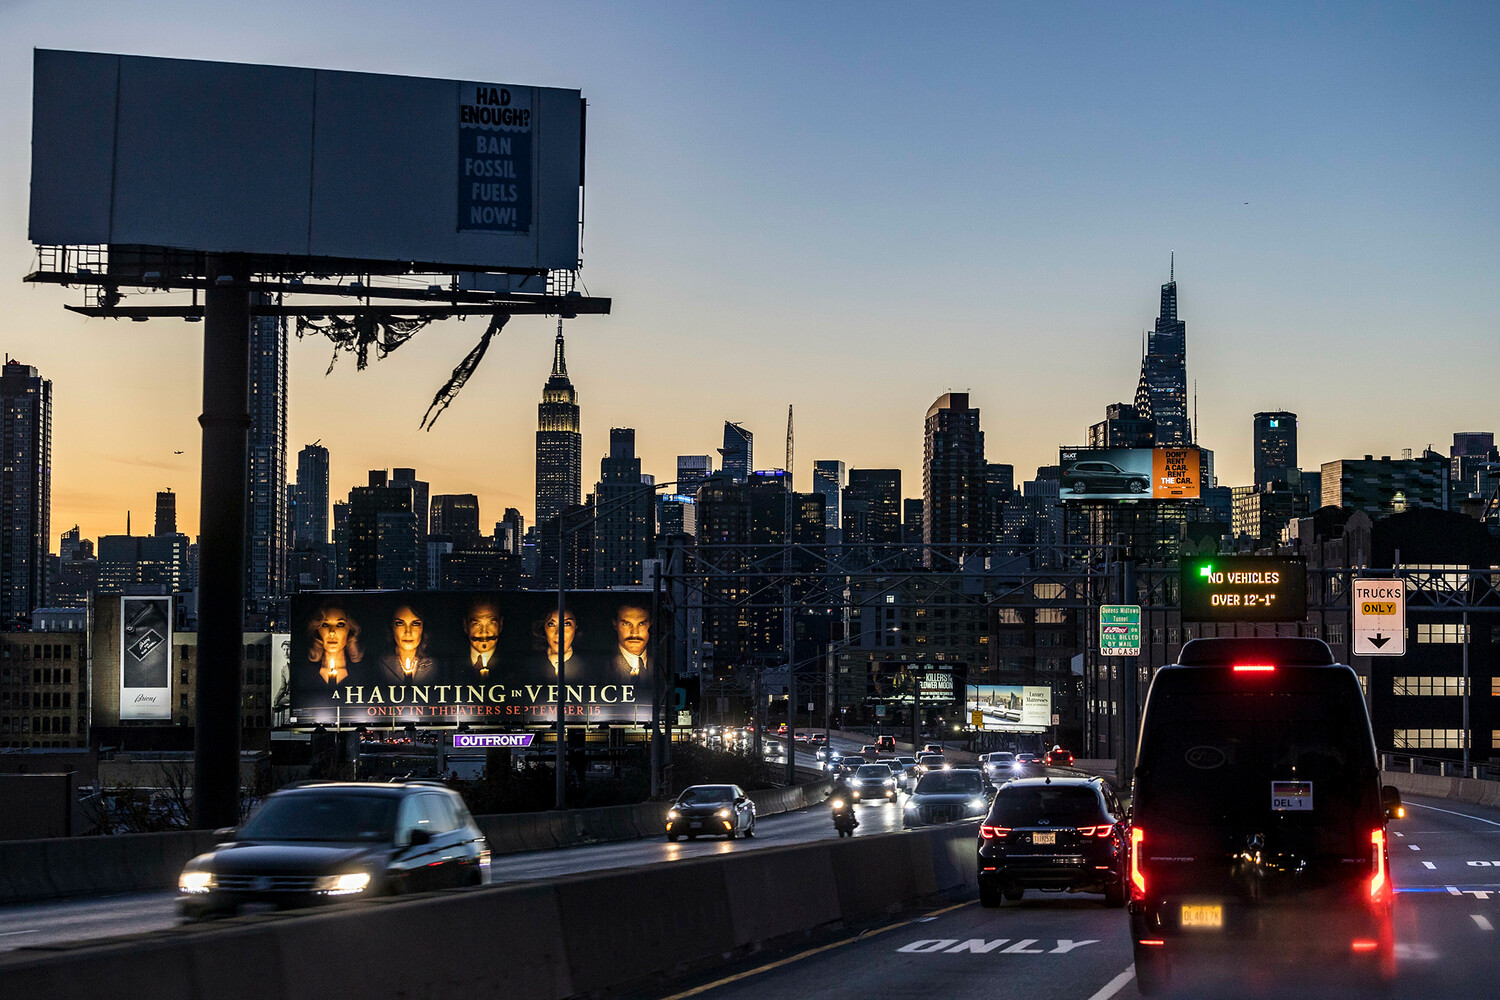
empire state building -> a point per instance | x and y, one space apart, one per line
559 445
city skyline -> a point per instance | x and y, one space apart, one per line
1327 200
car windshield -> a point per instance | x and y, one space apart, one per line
908 761
950 783
1053 804
853 761
931 759
1001 758
873 771
330 816
705 794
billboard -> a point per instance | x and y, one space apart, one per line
468 174
1011 707
146 658
894 682
1128 474
1243 589
481 657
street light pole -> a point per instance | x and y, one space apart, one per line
562 686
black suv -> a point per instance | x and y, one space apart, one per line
323 842
1053 834
1104 477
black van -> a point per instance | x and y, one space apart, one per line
1258 822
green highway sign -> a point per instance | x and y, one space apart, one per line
1119 630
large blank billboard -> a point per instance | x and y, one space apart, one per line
224 157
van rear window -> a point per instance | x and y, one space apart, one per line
1210 757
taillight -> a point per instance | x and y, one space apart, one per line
1259 668
1137 877
1102 830
991 832
1380 884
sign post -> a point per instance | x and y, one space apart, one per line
1119 630
1379 608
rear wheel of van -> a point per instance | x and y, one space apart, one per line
1150 973
989 896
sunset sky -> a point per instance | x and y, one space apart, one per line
854 208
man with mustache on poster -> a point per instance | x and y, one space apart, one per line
633 631
482 625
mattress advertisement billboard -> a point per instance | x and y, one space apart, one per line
1128 474
481 657
1011 707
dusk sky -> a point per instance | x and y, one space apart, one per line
854 208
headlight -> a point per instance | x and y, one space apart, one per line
195 881
976 803
911 806
724 814
672 814
344 885
838 803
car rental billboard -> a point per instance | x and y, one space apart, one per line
1128 474
1011 707
482 657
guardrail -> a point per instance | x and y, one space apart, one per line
136 862
573 936
1413 764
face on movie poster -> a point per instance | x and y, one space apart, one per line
486 658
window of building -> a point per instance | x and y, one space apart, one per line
1422 739
1051 616
1428 687
1336 634
1433 632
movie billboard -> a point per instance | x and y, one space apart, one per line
481 657
895 682
146 658
1128 474
1011 707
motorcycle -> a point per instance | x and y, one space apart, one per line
843 816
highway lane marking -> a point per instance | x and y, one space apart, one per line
1450 812
1398 832
981 946
1115 985
1483 923
863 935
1413 847
1429 864
14 933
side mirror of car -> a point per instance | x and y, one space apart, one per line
1390 798
418 837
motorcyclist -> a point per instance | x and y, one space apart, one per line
841 798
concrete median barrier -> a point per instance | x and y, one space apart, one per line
1473 790
574 936
84 866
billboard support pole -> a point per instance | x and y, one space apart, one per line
916 711
221 594
562 689
1130 711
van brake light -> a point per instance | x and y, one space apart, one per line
1137 877
1259 668
1380 891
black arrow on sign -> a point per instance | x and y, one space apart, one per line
1377 640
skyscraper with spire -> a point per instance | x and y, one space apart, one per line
559 444
1161 394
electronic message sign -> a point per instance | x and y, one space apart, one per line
1128 474
1244 589
485 657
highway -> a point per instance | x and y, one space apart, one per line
1446 865
53 921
